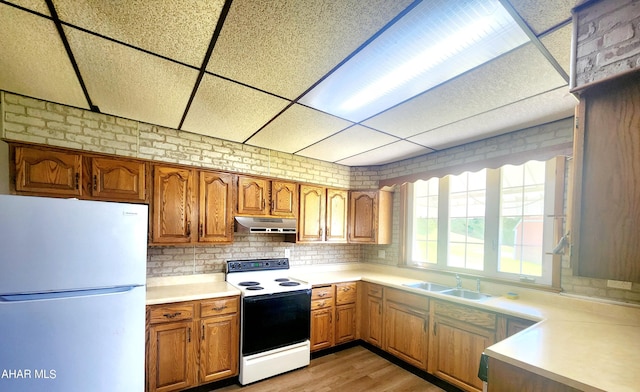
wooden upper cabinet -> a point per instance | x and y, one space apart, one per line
253 194
173 205
284 199
258 196
312 212
215 220
370 217
336 218
49 172
605 232
116 179
323 214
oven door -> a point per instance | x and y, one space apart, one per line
275 320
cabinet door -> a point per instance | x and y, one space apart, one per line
215 218
321 328
253 194
171 358
114 179
219 347
173 203
372 320
406 333
312 213
362 217
345 323
457 347
605 228
336 221
48 172
284 199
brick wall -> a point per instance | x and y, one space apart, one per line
35 121
608 40
31 120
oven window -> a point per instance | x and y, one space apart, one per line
275 320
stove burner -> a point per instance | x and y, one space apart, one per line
255 288
248 283
289 284
282 280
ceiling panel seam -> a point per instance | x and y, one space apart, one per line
67 47
352 54
214 38
21 8
534 39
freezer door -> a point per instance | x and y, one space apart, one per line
53 244
81 343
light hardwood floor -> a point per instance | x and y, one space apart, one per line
354 369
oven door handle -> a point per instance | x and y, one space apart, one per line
257 298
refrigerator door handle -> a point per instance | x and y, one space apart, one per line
64 294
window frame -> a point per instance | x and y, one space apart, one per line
553 228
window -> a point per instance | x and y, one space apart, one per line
493 222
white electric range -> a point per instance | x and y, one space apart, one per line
275 318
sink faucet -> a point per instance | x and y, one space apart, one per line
458 282
478 285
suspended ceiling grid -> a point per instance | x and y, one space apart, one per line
235 70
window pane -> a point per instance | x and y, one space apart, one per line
466 220
521 219
424 247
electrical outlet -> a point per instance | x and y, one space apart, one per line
618 284
287 253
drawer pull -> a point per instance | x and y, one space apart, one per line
346 288
322 294
219 308
172 315
321 304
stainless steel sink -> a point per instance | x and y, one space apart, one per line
428 286
467 294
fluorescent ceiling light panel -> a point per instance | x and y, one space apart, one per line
434 42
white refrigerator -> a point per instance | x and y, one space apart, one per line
72 295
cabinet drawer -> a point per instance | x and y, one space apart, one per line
217 306
171 312
321 303
322 292
374 290
412 300
346 293
466 314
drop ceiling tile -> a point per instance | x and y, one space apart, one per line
547 107
351 141
559 45
230 111
541 15
390 153
517 75
297 128
180 30
34 5
33 61
129 83
285 46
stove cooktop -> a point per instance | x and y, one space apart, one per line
262 276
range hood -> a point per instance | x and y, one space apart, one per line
250 224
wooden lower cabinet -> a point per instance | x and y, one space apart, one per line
459 336
406 321
508 378
333 315
371 313
346 296
192 343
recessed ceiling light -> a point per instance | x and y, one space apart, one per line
434 42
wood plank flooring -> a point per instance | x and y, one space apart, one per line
353 369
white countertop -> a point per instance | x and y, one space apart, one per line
586 344
188 288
